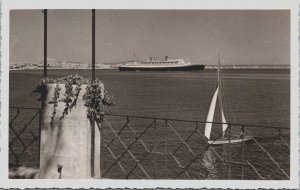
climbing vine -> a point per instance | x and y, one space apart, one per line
95 96
54 101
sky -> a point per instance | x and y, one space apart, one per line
243 37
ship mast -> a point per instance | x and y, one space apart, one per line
134 55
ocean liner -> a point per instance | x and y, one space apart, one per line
165 65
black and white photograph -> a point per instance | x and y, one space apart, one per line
151 94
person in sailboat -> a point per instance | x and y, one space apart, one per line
241 135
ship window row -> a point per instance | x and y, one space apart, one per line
170 62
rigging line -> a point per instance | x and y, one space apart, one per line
227 106
220 89
220 97
229 109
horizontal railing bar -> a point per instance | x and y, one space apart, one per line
193 121
180 120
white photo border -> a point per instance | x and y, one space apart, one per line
291 5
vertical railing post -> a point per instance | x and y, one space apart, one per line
93 145
101 145
45 12
279 132
165 148
229 153
154 141
45 42
40 131
242 135
93 43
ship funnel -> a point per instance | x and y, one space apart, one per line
166 58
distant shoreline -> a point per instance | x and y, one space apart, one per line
206 68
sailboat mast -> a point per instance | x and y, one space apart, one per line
210 116
219 84
220 95
218 71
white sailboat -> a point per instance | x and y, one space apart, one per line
210 117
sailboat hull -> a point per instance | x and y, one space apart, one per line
227 141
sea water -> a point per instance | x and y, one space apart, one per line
249 96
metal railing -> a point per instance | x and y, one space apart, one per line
24 136
134 147
160 148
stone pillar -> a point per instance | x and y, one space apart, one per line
67 142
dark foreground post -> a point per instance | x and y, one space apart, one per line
93 145
93 44
45 42
93 115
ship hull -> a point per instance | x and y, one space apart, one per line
166 68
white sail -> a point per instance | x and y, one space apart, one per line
210 115
224 126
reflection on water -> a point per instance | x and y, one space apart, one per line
210 164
